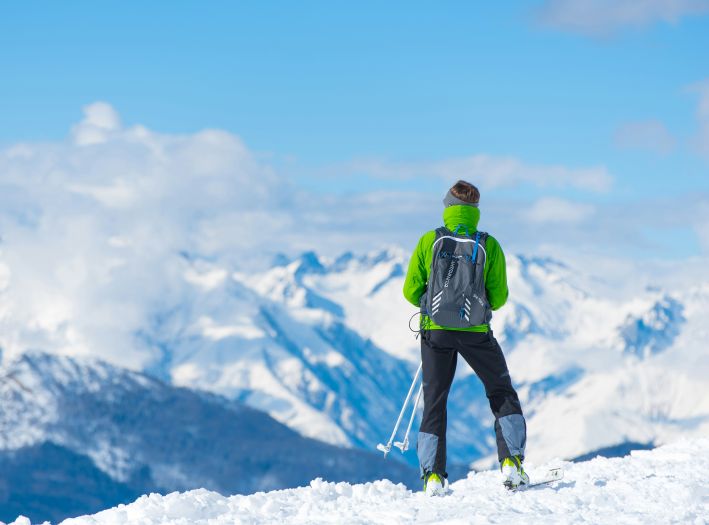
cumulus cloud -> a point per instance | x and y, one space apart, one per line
649 135
97 233
493 172
100 119
92 229
603 17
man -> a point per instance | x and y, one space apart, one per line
457 276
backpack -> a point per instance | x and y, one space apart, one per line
455 295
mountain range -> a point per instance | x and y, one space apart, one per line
325 346
77 436
266 378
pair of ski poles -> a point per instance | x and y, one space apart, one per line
404 445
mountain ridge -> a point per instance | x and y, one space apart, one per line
323 345
104 422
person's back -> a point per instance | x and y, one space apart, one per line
443 280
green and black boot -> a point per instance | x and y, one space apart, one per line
434 484
513 472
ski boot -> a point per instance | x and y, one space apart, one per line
434 484
513 472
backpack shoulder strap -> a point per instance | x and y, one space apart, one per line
480 240
442 231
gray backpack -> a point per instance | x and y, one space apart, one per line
455 296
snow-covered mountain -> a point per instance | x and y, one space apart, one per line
78 436
330 353
323 345
662 486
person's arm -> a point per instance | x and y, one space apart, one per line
495 274
417 274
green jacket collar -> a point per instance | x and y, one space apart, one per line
467 216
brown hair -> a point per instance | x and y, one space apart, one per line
466 192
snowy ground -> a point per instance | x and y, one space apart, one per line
665 485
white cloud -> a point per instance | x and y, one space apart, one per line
491 172
602 17
92 229
94 234
95 231
100 119
555 210
118 194
649 135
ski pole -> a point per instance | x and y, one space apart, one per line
386 448
404 445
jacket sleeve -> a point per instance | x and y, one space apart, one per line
495 274
417 274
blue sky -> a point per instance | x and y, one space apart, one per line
324 91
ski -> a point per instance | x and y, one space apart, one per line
552 475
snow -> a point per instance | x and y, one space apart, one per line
663 486
67 425
215 332
614 353
323 345
320 341
591 356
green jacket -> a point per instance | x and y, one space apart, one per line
420 266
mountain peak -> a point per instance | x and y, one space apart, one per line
653 330
308 263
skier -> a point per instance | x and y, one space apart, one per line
457 276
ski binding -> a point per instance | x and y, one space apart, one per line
552 475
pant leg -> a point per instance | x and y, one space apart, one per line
483 353
438 364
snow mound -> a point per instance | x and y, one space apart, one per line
665 485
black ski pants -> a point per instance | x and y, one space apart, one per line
439 355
